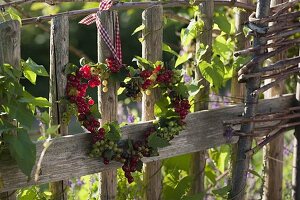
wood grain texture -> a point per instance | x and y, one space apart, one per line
198 160
273 152
152 51
107 102
68 156
10 52
59 58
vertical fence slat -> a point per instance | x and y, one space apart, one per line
10 52
240 170
274 151
107 104
152 51
296 161
59 57
198 161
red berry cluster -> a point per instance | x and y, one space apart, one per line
113 65
130 155
77 85
182 107
165 77
133 160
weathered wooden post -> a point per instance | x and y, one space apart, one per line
10 52
59 58
241 166
274 151
198 160
107 102
152 51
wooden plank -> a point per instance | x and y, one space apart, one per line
198 160
68 156
152 51
108 102
59 57
10 52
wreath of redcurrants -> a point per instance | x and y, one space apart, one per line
171 109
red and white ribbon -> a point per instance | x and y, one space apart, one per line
92 18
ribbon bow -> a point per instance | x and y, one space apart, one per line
92 18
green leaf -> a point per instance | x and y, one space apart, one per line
30 75
6 126
223 23
190 33
45 117
182 59
161 106
201 51
138 29
32 66
223 47
193 88
222 191
36 101
52 129
70 68
168 49
181 89
22 150
14 15
22 114
114 132
213 74
255 173
95 111
155 141
141 61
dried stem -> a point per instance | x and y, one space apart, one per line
246 68
270 85
270 74
276 132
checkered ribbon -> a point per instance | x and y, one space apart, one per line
92 18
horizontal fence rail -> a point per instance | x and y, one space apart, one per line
68 156
134 5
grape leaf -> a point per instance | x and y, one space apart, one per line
22 150
155 141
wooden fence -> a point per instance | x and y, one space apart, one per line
67 156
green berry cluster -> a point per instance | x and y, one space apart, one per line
168 130
108 150
70 111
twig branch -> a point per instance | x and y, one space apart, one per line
246 68
270 74
276 132
270 85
